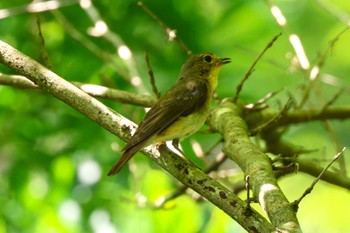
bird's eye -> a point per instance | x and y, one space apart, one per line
207 58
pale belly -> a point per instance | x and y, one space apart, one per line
183 127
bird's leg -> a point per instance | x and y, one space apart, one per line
175 144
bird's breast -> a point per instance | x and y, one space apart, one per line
185 126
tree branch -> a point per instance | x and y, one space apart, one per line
297 116
94 90
310 167
309 189
226 119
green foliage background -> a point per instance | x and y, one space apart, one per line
45 145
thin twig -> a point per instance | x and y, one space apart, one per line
106 57
342 15
17 81
35 7
335 139
43 52
151 76
330 47
94 90
171 33
273 120
101 29
315 71
261 103
296 203
332 100
251 69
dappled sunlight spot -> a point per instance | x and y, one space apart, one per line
277 13
331 80
314 73
136 81
197 148
100 28
38 186
115 147
124 52
263 191
299 50
85 4
89 172
4 13
171 34
94 89
250 106
69 211
43 6
100 222
160 201
141 200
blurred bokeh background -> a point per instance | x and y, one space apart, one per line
53 161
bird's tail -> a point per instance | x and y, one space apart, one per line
128 153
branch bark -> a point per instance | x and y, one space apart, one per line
297 116
94 90
226 119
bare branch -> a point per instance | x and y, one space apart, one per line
43 52
94 90
251 69
100 29
151 76
297 116
171 33
261 102
308 190
35 7
314 169
294 39
273 120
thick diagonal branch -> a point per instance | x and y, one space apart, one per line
226 119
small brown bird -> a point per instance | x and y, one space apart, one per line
181 111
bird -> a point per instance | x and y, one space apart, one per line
181 111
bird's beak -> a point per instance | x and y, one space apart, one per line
225 60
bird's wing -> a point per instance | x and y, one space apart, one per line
181 100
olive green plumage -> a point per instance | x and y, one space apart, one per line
182 110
